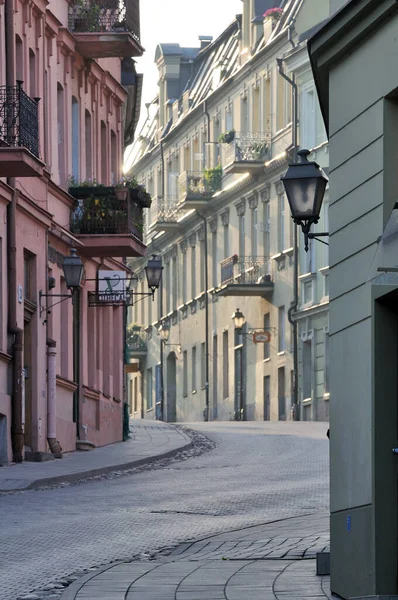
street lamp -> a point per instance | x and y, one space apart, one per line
153 272
73 269
239 319
164 331
305 184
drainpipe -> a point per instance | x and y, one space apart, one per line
51 398
162 405
293 309
18 381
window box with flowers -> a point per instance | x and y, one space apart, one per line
273 15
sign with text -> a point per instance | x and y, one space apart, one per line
111 286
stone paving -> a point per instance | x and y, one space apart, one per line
266 562
257 473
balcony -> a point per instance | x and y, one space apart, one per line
164 214
106 28
136 343
107 222
246 276
195 189
246 153
19 133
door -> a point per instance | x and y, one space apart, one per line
28 382
267 402
239 391
76 359
281 394
171 389
215 378
385 438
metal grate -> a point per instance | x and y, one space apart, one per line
105 15
202 184
19 119
246 270
247 147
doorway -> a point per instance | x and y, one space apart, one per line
385 438
267 401
171 389
27 375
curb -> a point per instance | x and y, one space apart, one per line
73 477
70 592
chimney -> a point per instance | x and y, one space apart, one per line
205 40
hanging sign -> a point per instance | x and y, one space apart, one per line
262 337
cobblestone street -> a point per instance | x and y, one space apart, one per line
258 472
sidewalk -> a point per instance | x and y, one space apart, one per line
266 562
149 440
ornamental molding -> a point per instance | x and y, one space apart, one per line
192 240
253 200
213 224
183 246
266 193
201 233
240 206
279 188
225 217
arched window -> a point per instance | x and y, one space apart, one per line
89 144
75 138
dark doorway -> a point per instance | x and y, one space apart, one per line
267 400
171 388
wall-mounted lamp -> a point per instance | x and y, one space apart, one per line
73 269
305 184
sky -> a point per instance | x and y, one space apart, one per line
177 21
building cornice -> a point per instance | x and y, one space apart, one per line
311 311
348 28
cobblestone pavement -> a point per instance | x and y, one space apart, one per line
258 472
265 562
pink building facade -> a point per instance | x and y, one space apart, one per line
62 362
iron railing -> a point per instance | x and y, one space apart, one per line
107 215
136 341
247 147
19 119
164 210
246 270
200 184
105 15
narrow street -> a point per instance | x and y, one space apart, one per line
257 473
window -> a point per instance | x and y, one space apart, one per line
281 222
184 277
193 272
167 286
61 134
185 373
243 115
267 105
225 364
325 228
174 284
254 226
307 289
312 127
281 329
281 394
193 368
32 73
226 241
104 153
114 158
135 401
242 236
309 258
75 138
326 389
19 58
326 284
88 142
267 325
228 120
203 364
267 230
214 259
149 389
307 369
202 266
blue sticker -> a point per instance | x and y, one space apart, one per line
349 524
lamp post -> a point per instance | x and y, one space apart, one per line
239 320
305 184
154 270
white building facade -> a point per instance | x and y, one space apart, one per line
212 155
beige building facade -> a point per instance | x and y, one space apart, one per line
212 152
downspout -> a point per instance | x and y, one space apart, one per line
293 309
17 401
51 398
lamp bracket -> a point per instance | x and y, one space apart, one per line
46 308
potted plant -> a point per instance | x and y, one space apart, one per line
273 13
227 137
213 179
137 192
85 189
258 150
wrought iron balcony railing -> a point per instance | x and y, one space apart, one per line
105 15
19 119
136 341
164 210
107 215
199 185
247 270
247 147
